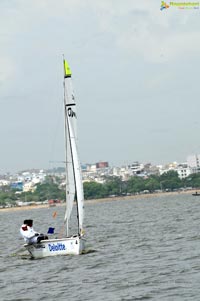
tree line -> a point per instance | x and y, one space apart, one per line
113 186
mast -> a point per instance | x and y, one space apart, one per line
73 168
65 133
69 187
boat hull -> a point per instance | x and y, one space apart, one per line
74 245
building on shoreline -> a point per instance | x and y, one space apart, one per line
99 172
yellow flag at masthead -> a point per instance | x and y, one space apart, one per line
67 69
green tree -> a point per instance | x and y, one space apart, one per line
135 184
170 180
152 184
192 180
93 190
113 186
47 191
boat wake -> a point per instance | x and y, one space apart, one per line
88 251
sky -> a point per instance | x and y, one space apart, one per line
135 72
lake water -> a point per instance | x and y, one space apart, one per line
143 249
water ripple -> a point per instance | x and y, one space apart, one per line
145 249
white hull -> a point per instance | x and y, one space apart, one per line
52 247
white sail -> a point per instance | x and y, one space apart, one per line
74 244
73 168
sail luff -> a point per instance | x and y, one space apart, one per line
73 167
66 180
70 184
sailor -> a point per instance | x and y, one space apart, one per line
30 236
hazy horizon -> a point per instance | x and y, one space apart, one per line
135 77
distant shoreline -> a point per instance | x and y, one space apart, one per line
93 201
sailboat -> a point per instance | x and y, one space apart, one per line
196 194
71 244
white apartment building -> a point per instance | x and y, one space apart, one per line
29 186
193 161
183 171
